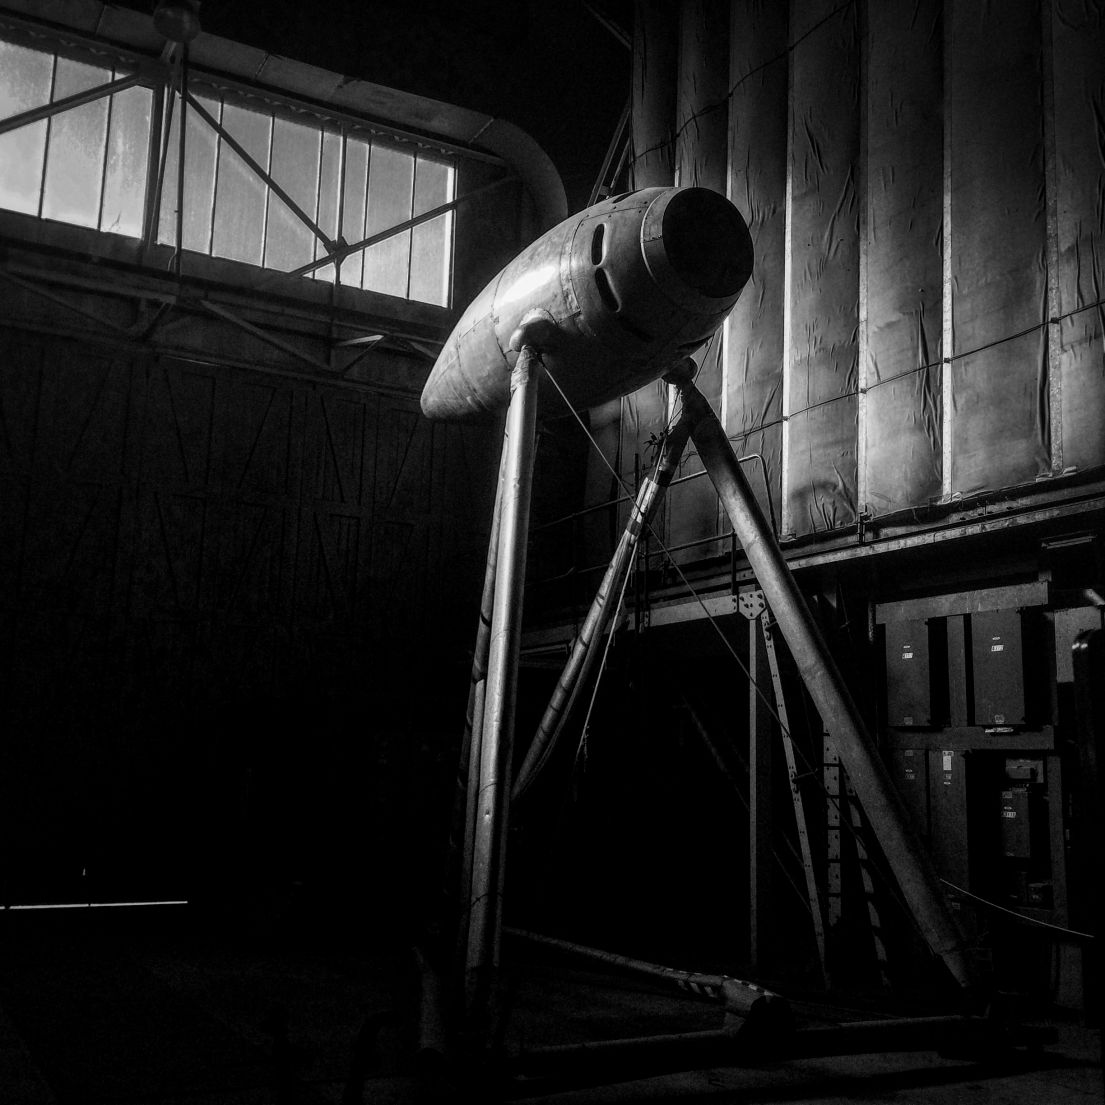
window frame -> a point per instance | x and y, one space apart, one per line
157 75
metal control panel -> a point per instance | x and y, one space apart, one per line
908 674
997 655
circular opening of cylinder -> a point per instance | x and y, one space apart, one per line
706 242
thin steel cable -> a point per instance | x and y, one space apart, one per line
664 549
581 749
670 423
889 884
1031 921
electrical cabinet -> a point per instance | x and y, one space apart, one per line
1016 823
1025 847
997 654
909 767
975 685
948 814
908 674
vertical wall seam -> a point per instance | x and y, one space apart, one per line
1051 183
947 318
788 293
730 166
863 199
720 519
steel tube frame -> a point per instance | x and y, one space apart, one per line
640 1056
260 171
738 994
492 803
462 830
337 255
885 811
60 301
801 823
597 621
78 99
261 335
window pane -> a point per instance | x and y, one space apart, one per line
76 146
127 144
390 186
353 209
240 193
433 185
289 242
328 192
200 151
430 242
25 77
431 261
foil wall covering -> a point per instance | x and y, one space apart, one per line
924 181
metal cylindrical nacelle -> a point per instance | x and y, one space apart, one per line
631 286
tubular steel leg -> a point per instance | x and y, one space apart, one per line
889 821
761 760
484 912
585 649
462 827
812 892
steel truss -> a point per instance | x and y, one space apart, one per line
349 338
757 1022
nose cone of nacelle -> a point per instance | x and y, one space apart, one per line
697 247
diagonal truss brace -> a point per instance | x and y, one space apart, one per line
339 251
765 619
261 335
78 99
330 244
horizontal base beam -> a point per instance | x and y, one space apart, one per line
756 1042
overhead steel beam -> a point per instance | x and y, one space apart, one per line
78 99
60 301
257 332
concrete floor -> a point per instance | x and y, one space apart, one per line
113 1010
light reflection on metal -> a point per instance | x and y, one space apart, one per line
497 728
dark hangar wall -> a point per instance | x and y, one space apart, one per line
232 603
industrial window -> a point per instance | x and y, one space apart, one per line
85 165
341 179
88 165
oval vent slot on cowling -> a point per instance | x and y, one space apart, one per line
606 292
597 244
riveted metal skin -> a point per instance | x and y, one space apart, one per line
631 286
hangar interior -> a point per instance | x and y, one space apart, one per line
242 571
